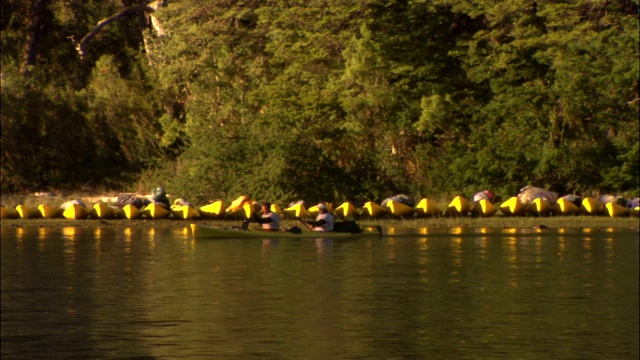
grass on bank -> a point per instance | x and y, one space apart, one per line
496 221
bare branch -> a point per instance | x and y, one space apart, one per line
81 46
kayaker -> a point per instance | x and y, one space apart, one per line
270 220
324 221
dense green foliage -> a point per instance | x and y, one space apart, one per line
335 100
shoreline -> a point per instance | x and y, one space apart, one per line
496 221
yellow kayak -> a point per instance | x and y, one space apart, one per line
242 213
397 208
615 210
565 207
215 210
313 210
459 206
483 208
512 207
184 212
296 211
345 210
539 207
49 212
103 211
374 210
27 212
635 211
75 212
9 213
590 206
238 203
130 212
156 211
427 208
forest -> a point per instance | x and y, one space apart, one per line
320 99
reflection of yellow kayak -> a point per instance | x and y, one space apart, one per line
75 212
483 208
102 211
615 210
27 212
49 212
539 207
512 207
373 210
156 211
565 207
427 207
397 208
9 213
459 206
296 211
183 212
131 212
345 210
214 210
590 206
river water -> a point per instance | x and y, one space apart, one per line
104 293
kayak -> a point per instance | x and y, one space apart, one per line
512 207
565 207
242 213
27 212
214 210
211 232
539 207
590 206
49 212
345 210
296 211
102 211
130 212
483 208
399 209
184 212
156 211
427 207
615 210
459 206
373 210
75 212
9 213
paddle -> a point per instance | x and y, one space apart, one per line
308 226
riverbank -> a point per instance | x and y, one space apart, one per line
497 221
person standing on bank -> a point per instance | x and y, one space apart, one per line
270 221
324 221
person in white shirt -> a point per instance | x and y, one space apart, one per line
269 221
324 221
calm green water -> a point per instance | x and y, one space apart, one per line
465 294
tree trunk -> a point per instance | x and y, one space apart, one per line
35 17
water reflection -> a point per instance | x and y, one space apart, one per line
476 293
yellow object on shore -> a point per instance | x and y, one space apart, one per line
156 211
459 206
483 208
512 207
75 212
373 210
397 208
427 207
